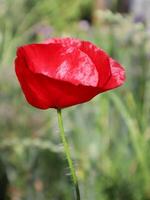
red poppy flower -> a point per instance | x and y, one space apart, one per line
65 72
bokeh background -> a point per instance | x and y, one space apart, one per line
109 136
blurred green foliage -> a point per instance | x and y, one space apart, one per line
109 136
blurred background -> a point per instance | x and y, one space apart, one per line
109 136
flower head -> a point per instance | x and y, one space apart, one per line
64 71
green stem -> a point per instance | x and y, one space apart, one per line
68 154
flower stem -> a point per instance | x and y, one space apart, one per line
68 154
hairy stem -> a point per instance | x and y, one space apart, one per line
68 154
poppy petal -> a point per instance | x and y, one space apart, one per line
117 77
59 62
68 42
100 59
43 92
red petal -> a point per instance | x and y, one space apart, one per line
111 74
44 92
61 63
100 59
68 42
118 75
